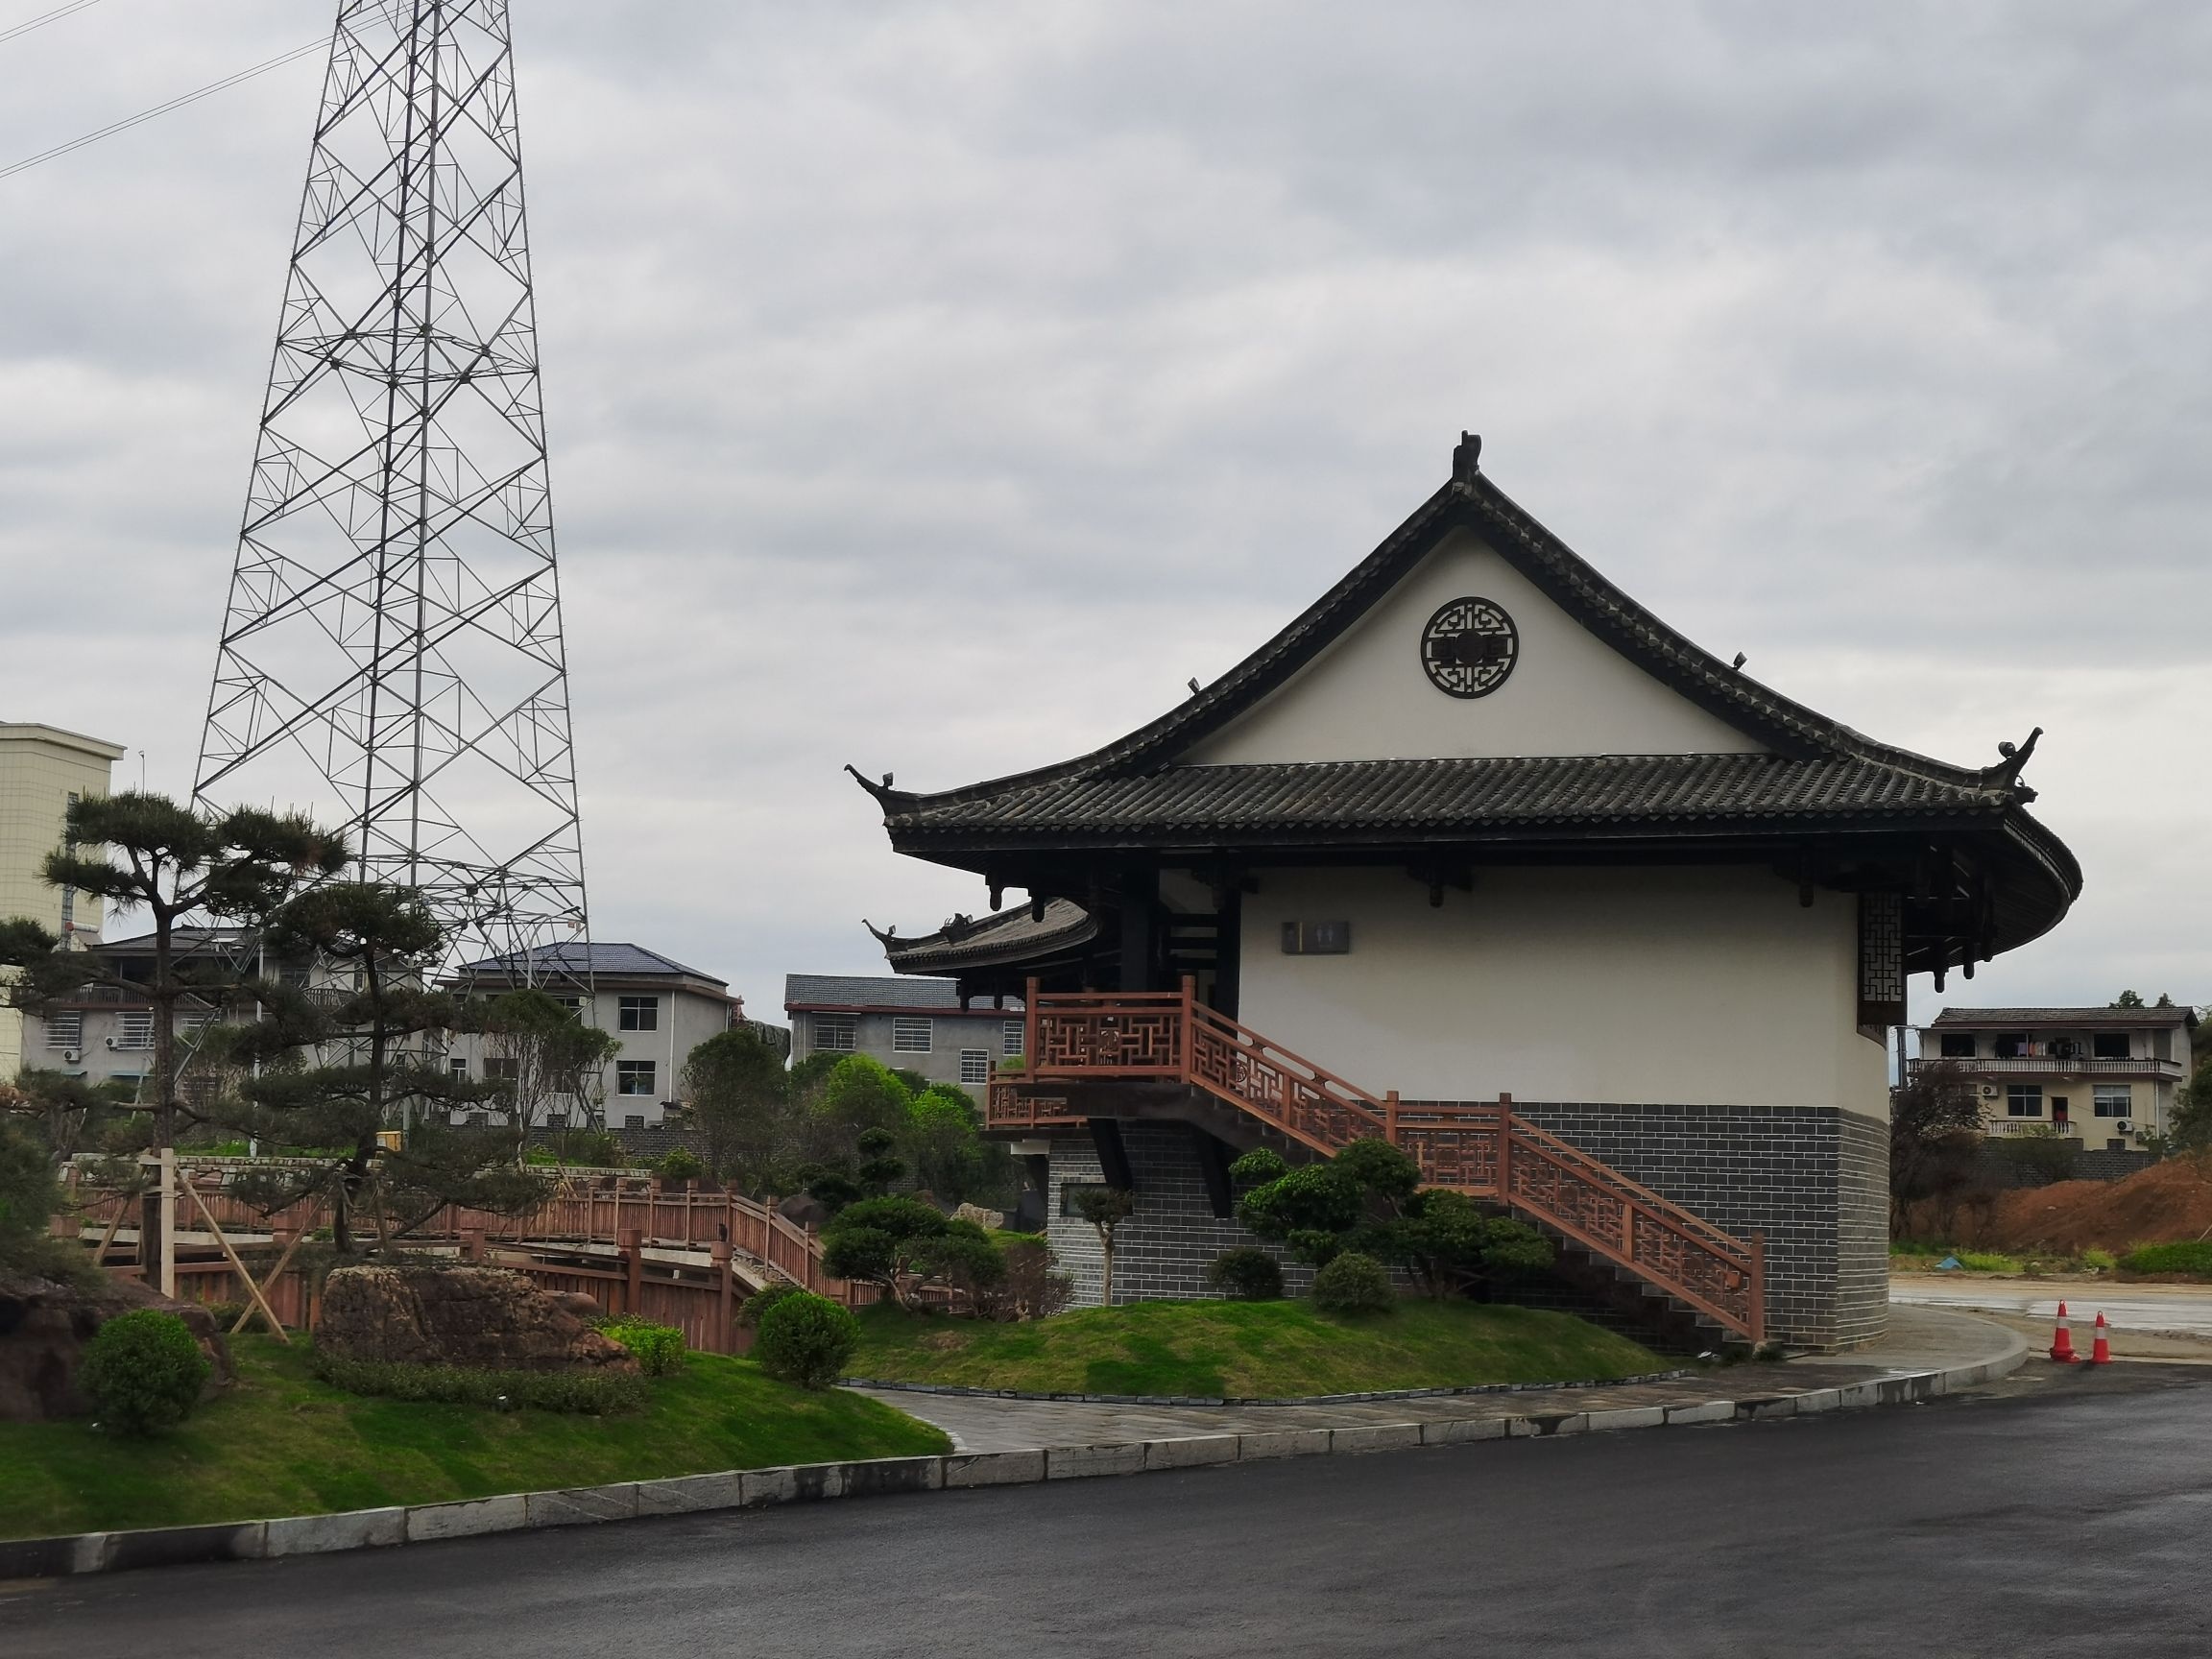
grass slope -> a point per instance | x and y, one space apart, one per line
1254 1349
281 1443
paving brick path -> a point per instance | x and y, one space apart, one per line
1919 1340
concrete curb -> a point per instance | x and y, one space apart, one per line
958 1391
810 1482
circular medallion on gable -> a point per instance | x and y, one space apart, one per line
1469 647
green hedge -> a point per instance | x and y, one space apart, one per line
657 1348
2189 1256
144 1371
595 1393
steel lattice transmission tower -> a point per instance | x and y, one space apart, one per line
391 655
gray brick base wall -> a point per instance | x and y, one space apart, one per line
1161 1252
1815 1180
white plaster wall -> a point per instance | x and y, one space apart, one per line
1630 987
1368 697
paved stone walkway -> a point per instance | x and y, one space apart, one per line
1919 1340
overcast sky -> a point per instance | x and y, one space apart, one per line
938 387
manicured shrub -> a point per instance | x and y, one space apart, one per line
144 1372
755 1306
1034 1288
588 1393
1354 1282
1246 1275
680 1164
2189 1256
657 1348
807 1340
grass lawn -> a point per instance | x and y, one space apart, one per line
281 1443
1253 1348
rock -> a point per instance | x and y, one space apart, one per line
991 1220
804 1210
45 1325
481 1319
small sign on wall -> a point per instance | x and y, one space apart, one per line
1316 938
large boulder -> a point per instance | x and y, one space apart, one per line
45 1324
482 1318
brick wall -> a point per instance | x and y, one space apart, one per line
1815 1180
1163 1249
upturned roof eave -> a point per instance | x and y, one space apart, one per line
1787 727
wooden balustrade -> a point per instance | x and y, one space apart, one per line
1484 1149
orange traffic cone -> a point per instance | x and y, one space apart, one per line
2062 1341
2101 1350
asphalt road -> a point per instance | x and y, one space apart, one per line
2067 1518
2181 1307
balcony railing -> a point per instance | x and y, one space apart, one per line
2051 1065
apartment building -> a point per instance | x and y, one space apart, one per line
909 1024
42 770
2104 1075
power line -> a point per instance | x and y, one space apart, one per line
39 22
144 115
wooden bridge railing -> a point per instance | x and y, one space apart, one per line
1484 1149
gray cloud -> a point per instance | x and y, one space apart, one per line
940 386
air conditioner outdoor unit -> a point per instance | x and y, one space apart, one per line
2124 1128
70 1056
110 1042
1988 1091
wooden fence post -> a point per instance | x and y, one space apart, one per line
723 1286
1504 1148
632 1244
472 1242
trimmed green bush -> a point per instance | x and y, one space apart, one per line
592 1393
1354 1282
754 1307
807 1340
657 1348
1246 1274
144 1372
680 1164
2098 1260
2188 1256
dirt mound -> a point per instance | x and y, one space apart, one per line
2165 1202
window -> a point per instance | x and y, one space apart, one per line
974 1066
479 1119
457 1066
2011 1044
632 1119
574 1005
836 1033
556 1120
134 1031
1958 1045
1010 1039
638 1013
910 1035
2024 1099
1070 1189
2109 1045
499 1068
2114 1100
65 1029
633 1077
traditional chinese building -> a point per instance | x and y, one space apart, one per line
1478 854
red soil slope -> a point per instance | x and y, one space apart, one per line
2165 1202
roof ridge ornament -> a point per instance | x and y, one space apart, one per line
2005 774
1467 458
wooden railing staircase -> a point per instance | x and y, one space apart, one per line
1484 1149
